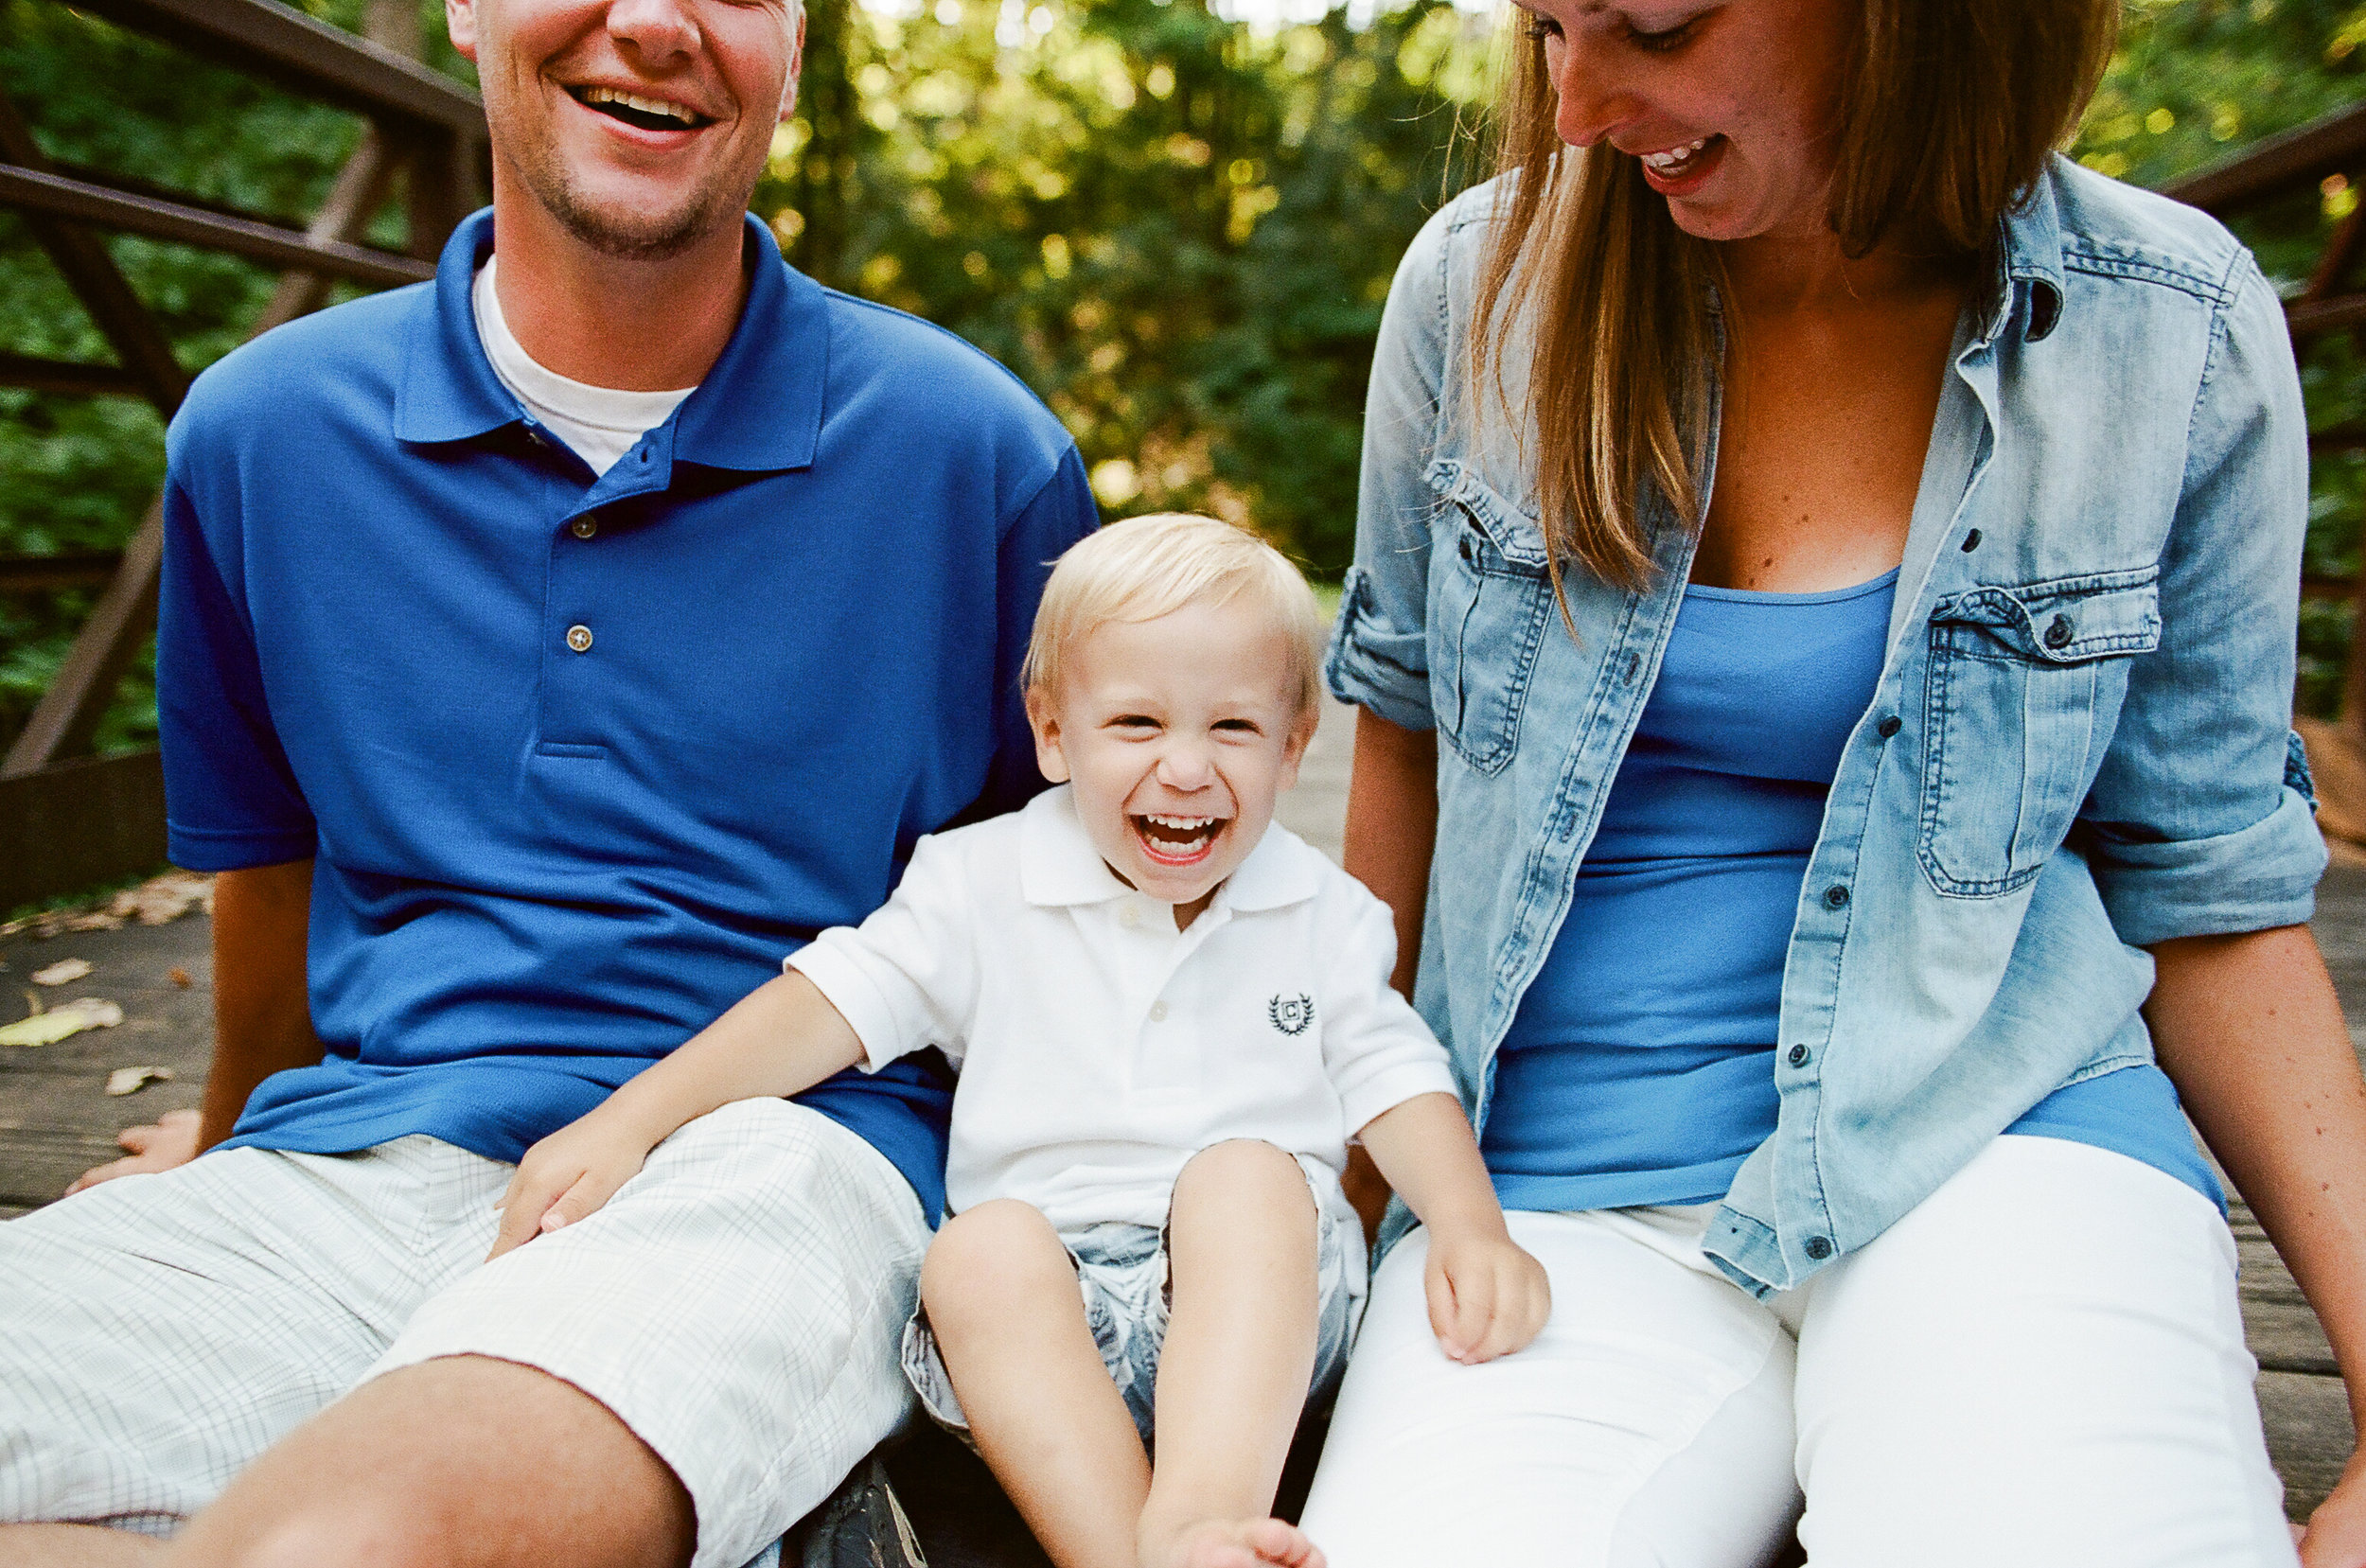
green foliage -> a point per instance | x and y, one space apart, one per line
1178 230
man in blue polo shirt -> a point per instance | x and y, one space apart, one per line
545 652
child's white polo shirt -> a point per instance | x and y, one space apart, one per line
1099 1046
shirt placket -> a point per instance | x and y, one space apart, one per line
580 593
1156 954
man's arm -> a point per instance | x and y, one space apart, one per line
262 1014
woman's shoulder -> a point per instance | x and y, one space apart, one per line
1445 253
2113 230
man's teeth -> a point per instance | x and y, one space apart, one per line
1675 157
634 101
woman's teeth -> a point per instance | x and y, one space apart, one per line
1676 159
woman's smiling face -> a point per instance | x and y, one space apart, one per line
1731 105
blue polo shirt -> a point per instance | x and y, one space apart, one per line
581 761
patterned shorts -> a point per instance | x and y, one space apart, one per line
1121 1271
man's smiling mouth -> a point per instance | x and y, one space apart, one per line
1175 840
646 113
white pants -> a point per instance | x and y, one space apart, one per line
735 1304
2041 1366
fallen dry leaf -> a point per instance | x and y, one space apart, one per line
154 902
178 977
64 972
125 1081
63 1021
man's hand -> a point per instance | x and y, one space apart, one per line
566 1177
167 1142
1488 1297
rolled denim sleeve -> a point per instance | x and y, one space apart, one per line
2202 819
1379 655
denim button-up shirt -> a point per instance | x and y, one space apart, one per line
2080 743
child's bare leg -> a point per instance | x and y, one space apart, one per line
1240 1351
1003 1302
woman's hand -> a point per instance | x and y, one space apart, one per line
1488 1297
2336 1531
566 1177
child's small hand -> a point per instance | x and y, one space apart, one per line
565 1177
1486 1297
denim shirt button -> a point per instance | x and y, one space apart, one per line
1971 541
1819 1248
1798 1057
1836 896
1888 727
2057 631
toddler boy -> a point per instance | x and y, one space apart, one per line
1170 1016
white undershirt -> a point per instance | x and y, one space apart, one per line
600 423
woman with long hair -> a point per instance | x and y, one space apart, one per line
1824 622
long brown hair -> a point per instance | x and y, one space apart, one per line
1947 112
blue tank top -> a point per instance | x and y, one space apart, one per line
1639 1068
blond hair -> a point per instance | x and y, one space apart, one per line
1149 565
1948 110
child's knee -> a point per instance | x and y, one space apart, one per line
1244 1170
988 1257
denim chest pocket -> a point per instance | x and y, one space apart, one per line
2022 693
1492 603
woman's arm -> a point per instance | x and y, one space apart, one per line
2249 1030
1392 827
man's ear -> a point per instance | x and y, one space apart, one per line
796 65
1050 759
460 21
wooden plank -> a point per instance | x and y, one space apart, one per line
2316 318
307 57
64 569
2284 1333
2310 1435
359 187
59 197
40 1162
2278 164
78 825
82 259
68 714
69 378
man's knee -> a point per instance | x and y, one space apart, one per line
455 1462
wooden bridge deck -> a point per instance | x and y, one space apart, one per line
55 1119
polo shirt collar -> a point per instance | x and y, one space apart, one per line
759 409
1058 864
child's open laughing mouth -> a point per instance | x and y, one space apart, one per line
1175 840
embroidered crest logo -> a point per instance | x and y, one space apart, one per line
1291 1014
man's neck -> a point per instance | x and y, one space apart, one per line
629 325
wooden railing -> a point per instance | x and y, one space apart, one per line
65 821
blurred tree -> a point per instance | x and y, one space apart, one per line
1178 229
